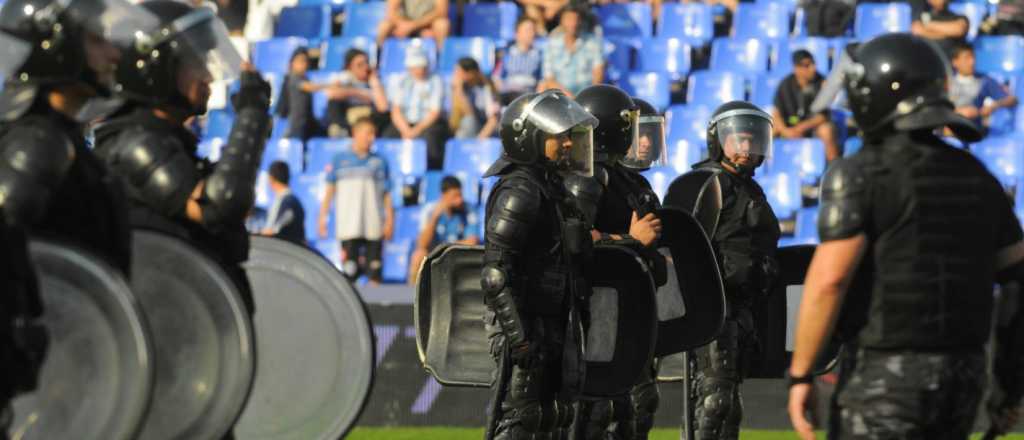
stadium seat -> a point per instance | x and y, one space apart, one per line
782 53
319 97
363 18
209 148
761 20
687 122
406 157
1000 54
396 260
332 56
328 248
218 124
652 87
683 153
852 146
783 192
336 5
280 126
493 20
486 185
806 230
309 189
763 87
288 150
789 5
430 187
691 22
626 20
797 157
392 55
873 19
479 48
744 55
618 56
264 195
1003 157
975 13
407 223
321 151
471 154
668 56
311 22
273 55
660 178
711 89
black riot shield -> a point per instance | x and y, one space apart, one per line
96 379
452 341
315 346
699 193
202 338
691 305
776 316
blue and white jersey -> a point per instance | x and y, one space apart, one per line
360 184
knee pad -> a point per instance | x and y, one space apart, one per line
716 400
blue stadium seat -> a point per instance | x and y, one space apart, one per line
669 56
392 55
332 57
319 97
806 230
710 88
684 152
763 87
692 22
852 146
328 248
1003 157
479 48
471 154
618 56
309 189
1000 54
652 87
404 157
336 5
783 192
396 260
320 151
264 195
280 126
407 223
626 20
311 22
761 20
486 185
218 124
660 178
873 19
363 18
687 122
288 150
209 148
273 55
797 157
430 186
788 5
744 55
493 20
782 53
975 13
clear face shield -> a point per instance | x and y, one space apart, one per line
745 137
649 148
117 21
202 41
575 152
13 53
570 131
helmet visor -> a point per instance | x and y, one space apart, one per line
117 21
554 113
201 40
649 148
13 53
575 151
744 133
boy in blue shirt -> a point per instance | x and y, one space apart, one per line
449 220
976 95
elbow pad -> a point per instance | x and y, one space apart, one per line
499 297
230 190
157 168
33 162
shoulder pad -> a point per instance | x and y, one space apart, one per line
586 194
33 162
498 167
601 175
843 208
510 214
156 167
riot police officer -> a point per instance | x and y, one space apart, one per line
166 80
739 137
532 277
942 229
622 208
58 61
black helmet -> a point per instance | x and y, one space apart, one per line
44 42
901 80
650 147
740 118
531 118
186 36
618 114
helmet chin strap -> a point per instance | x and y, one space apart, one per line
743 170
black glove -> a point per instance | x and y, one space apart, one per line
524 355
254 92
30 341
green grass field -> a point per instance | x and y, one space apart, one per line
477 434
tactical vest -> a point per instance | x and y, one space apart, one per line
624 193
931 227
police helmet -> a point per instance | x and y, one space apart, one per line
531 119
618 114
739 127
649 149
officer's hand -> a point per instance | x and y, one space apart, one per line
254 92
801 400
645 230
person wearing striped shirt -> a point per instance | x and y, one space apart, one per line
519 69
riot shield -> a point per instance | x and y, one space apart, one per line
691 305
202 338
316 348
452 341
699 193
97 376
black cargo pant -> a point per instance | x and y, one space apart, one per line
720 367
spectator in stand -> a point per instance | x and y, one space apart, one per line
573 59
416 99
296 99
518 70
934 20
449 221
356 94
286 217
359 185
543 13
1008 19
975 94
415 18
474 104
791 112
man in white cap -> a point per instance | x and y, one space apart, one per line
416 98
